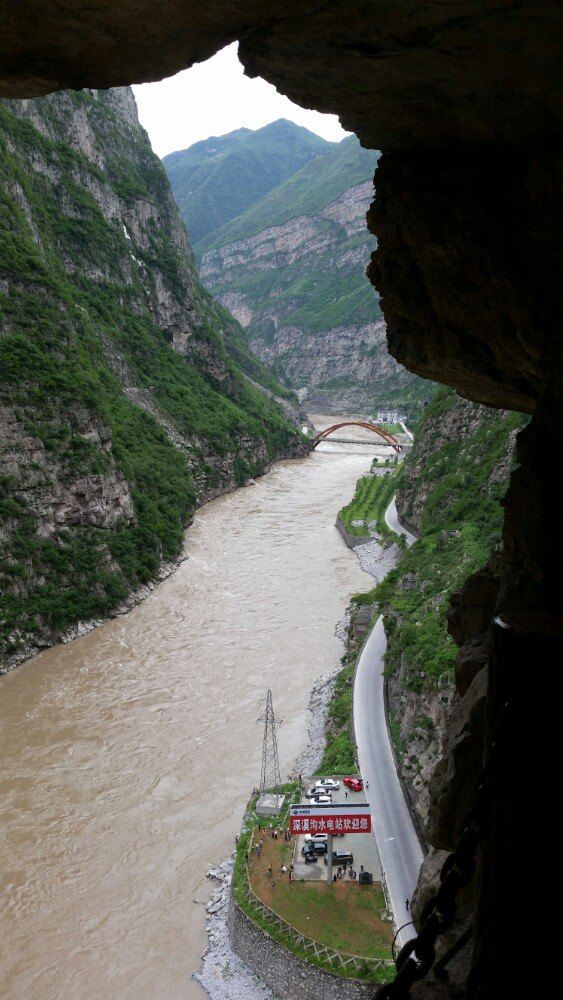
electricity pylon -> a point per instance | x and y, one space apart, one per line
270 775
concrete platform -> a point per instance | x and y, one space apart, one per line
270 805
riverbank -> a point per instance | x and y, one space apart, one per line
83 628
134 597
222 974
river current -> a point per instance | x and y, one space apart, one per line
128 754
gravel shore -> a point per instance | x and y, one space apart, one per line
377 560
222 974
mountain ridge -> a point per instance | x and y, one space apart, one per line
217 178
306 192
291 268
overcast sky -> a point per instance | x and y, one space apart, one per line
215 97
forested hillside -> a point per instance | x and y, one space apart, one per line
220 177
291 268
121 405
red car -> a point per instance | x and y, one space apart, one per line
356 784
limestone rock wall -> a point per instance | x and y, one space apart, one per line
56 496
452 484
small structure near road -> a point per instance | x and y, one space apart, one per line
362 620
270 801
270 804
389 417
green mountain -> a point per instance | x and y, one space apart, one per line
306 193
127 395
291 268
222 176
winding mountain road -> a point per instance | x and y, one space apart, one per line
399 848
392 521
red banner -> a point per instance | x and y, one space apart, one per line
331 823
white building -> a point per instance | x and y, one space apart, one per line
389 417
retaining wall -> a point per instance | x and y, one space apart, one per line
288 976
351 540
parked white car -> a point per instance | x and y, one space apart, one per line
319 838
315 791
320 800
331 784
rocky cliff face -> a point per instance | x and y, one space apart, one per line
292 270
121 405
452 484
337 366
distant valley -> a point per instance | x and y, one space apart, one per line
290 264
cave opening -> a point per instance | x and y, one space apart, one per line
466 114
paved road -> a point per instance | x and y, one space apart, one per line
406 430
398 845
392 521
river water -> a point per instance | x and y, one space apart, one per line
127 755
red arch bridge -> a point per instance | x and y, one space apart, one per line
387 438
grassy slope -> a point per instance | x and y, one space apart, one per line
55 374
339 755
371 499
221 177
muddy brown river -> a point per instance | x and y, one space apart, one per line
127 755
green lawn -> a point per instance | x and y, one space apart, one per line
392 428
345 915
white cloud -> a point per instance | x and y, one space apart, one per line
215 97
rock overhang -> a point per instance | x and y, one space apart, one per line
466 255
400 75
